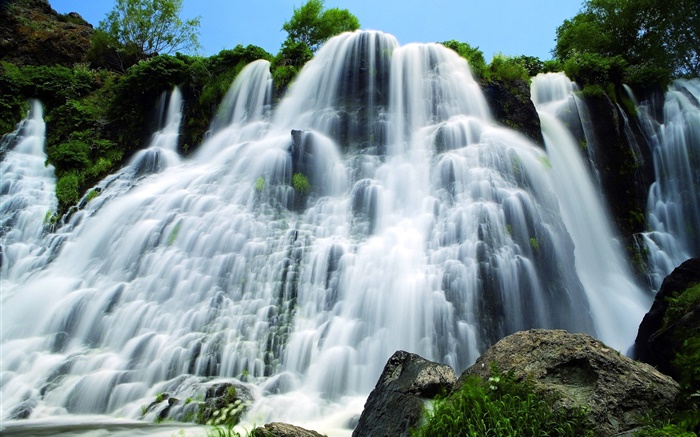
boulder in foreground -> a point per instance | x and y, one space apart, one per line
617 392
396 403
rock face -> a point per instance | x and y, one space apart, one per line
625 175
396 403
278 429
511 106
580 371
657 344
31 33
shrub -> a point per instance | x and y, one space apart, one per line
67 190
508 68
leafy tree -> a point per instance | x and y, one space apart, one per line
309 27
654 39
312 25
146 28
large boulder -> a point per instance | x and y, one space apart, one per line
579 371
278 429
657 342
396 403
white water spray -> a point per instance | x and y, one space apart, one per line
27 199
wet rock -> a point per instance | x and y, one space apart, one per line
657 344
278 429
396 403
616 392
511 106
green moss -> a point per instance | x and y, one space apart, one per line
301 183
173 234
545 161
260 184
534 243
91 195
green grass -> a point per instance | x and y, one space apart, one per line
501 406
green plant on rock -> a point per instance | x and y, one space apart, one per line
260 184
67 190
301 183
500 406
91 195
508 69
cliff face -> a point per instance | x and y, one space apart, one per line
32 33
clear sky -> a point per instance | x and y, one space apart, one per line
511 27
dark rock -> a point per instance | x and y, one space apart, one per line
23 410
278 429
32 33
396 403
624 164
511 106
616 392
658 345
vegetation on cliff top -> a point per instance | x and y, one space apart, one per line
96 121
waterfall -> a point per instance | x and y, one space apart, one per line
673 205
27 198
617 302
377 207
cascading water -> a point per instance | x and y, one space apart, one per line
617 302
377 208
27 198
673 206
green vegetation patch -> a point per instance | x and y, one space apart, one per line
501 406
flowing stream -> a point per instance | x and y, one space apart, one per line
377 207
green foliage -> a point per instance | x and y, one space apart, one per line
501 406
654 39
474 57
681 304
534 243
552 66
312 25
508 68
301 183
13 103
149 27
283 76
67 189
595 69
532 64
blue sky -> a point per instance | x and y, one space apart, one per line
512 27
